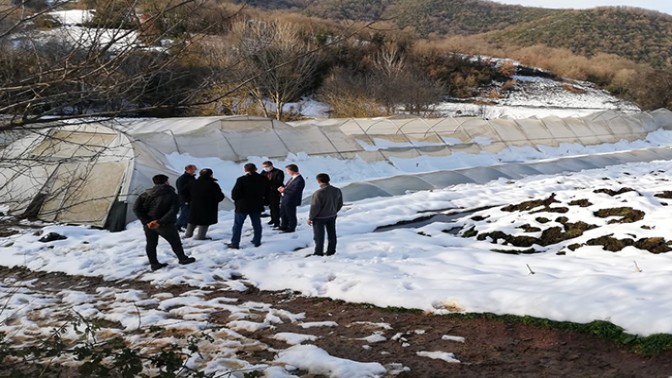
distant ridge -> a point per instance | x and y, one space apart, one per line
635 33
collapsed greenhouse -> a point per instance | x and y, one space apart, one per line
90 173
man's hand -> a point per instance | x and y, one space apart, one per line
281 189
310 222
153 225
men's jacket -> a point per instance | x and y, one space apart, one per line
205 196
326 203
293 191
159 203
182 185
250 192
276 178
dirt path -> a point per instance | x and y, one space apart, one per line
491 347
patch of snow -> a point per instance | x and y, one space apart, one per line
376 337
294 338
246 325
457 339
318 324
72 16
317 361
445 356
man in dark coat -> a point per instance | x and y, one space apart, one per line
249 195
324 206
182 185
205 196
292 193
276 179
157 210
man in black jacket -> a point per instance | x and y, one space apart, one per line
204 196
324 207
182 185
292 193
276 179
157 210
249 195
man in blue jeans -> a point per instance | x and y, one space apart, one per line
324 207
249 196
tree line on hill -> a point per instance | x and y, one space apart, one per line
205 57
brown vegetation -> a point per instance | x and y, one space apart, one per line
623 214
227 59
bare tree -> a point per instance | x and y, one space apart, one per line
264 48
395 82
99 67
57 71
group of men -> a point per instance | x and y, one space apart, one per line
197 200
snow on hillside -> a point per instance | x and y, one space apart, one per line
72 32
535 96
532 96
72 17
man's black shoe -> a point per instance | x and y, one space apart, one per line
331 253
270 223
158 266
257 245
314 254
233 246
188 260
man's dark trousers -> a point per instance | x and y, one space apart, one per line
183 218
239 219
170 234
319 227
288 217
274 206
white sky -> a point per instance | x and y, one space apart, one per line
659 5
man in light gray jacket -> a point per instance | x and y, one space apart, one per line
324 207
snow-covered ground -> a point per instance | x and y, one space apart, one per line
73 33
535 96
531 96
438 267
72 17
422 268
30 311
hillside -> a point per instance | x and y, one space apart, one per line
640 35
425 16
637 34
438 17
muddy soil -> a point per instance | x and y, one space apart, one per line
492 347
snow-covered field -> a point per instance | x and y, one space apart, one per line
486 258
421 268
